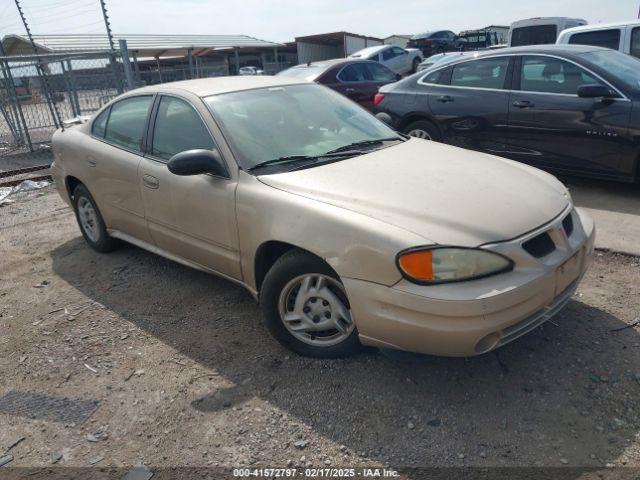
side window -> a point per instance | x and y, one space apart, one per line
127 121
433 77
100 124
178 127
354 73
553 75
598 38
398 51
380 73
635 42
483 73
388 54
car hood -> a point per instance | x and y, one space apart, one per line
447 195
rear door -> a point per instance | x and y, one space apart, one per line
111 161
471 103
355 82
550 126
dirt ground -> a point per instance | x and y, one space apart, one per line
185 374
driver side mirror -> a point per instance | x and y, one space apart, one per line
595 91
196 162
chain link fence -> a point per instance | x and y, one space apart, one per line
39 92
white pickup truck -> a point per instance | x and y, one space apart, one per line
399 60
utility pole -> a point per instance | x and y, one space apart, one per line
44 82
112 47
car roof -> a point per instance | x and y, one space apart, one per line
601 26
203 87
371 50
333 62
552 49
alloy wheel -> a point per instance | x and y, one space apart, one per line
88 219
418 133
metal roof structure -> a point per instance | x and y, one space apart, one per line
141 44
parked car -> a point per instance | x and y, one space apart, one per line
430 43
441 59
571 109
396 59
621 36
250 71
358 80
347 232
540 30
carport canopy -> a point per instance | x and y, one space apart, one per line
142 45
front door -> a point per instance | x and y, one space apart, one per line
472 104
551 126
192 217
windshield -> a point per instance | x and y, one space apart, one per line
309 73
271 123
624 67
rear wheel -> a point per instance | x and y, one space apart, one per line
90 221
423 129
306 308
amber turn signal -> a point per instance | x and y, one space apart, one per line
417 265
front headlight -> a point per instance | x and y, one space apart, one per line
434 265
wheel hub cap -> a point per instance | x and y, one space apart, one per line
314 309
88 219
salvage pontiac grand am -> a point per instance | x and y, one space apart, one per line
347 232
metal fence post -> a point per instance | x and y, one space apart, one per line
190 57
14 98
126 63
74 89
67 83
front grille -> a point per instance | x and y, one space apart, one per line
540 245
567 224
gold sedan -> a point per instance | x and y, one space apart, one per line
347 232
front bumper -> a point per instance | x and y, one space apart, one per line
470 318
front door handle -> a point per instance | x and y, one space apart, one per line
445 98
150 181
523 104
350 90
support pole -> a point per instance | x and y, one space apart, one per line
190 57
126 63
74 88
275 54
159 69
15 101
114 63
237 58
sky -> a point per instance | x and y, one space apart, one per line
282 20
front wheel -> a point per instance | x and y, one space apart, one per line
306 308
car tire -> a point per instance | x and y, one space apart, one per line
90 221
414 67
302 294
423 129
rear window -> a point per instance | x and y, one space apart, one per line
598 38
484 73
305 73
534 35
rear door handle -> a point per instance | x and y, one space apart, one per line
350 90
445 98
150 181
523 104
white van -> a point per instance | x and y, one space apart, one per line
540 30
622 36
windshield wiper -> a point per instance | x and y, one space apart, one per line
364 143
297 158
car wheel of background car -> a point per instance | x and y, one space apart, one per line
423 129
416 62
305 307
90 221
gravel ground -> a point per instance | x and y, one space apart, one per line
185 374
